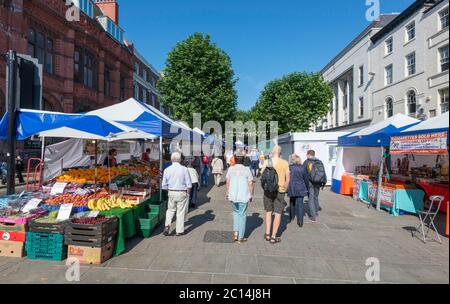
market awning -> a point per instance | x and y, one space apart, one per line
378 135
33 122
142 117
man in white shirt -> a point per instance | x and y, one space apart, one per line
177 181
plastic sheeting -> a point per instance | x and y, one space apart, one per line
69 154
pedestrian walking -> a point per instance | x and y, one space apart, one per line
217 170
275 182
177 181
298 189
195 184
318 180
19 169
254 158
205 170
239 193
197 165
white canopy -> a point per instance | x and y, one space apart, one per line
435 123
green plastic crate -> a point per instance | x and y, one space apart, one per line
45 246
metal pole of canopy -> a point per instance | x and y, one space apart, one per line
160 167
380 180
43 146
11 80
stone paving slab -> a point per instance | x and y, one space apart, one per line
332 251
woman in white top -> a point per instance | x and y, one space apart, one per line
217 170
239 193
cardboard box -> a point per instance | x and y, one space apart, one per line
12 249
91 255
13 227
14 236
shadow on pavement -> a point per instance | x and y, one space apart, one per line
199 220
253 222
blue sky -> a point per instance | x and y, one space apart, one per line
265 39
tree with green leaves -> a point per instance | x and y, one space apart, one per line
198 78
297 101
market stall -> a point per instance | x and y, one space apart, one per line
93 210
363 168
422 158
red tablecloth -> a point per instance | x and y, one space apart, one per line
432 189
438 189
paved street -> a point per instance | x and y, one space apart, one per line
334 250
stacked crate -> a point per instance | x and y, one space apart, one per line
45 241
156 214
91 244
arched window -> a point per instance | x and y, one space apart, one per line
411 103
389 107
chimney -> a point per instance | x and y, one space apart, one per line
109 8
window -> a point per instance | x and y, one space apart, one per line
411 103
389 107
77 76
443 19
136 68
443 58
411 64
136 91
122 88
361 75
41 48
107 85
444 97
389 74
361 106
410 31
432 113
89 69
389 45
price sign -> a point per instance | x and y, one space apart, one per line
80 191
58 188
31 205
114 187
93 214
64 212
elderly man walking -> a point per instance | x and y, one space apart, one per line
177 182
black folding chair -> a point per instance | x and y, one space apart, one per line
428 217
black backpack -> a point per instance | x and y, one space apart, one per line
317 172
269 179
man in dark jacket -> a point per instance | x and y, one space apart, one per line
311 163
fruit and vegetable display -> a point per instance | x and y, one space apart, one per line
50 218
90 220
111 202
104 175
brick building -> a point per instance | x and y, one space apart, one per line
87 63
85 67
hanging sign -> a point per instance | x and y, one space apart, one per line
58 188
387 195
426 144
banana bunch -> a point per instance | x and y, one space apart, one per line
108 203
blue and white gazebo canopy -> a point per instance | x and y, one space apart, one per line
378 135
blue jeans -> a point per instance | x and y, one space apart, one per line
297 209
240 219
255 167
205 177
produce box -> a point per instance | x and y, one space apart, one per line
147 225
22 220
57 227
46 246
92 227
13 236
90 255
13 227
88 240
12 249
123 181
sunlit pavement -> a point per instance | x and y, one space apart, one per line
333 250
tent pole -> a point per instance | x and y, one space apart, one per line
380 180
160 166
42 159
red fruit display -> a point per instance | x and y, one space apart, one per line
90 221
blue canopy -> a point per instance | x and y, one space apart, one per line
143 117
378 135
32 122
